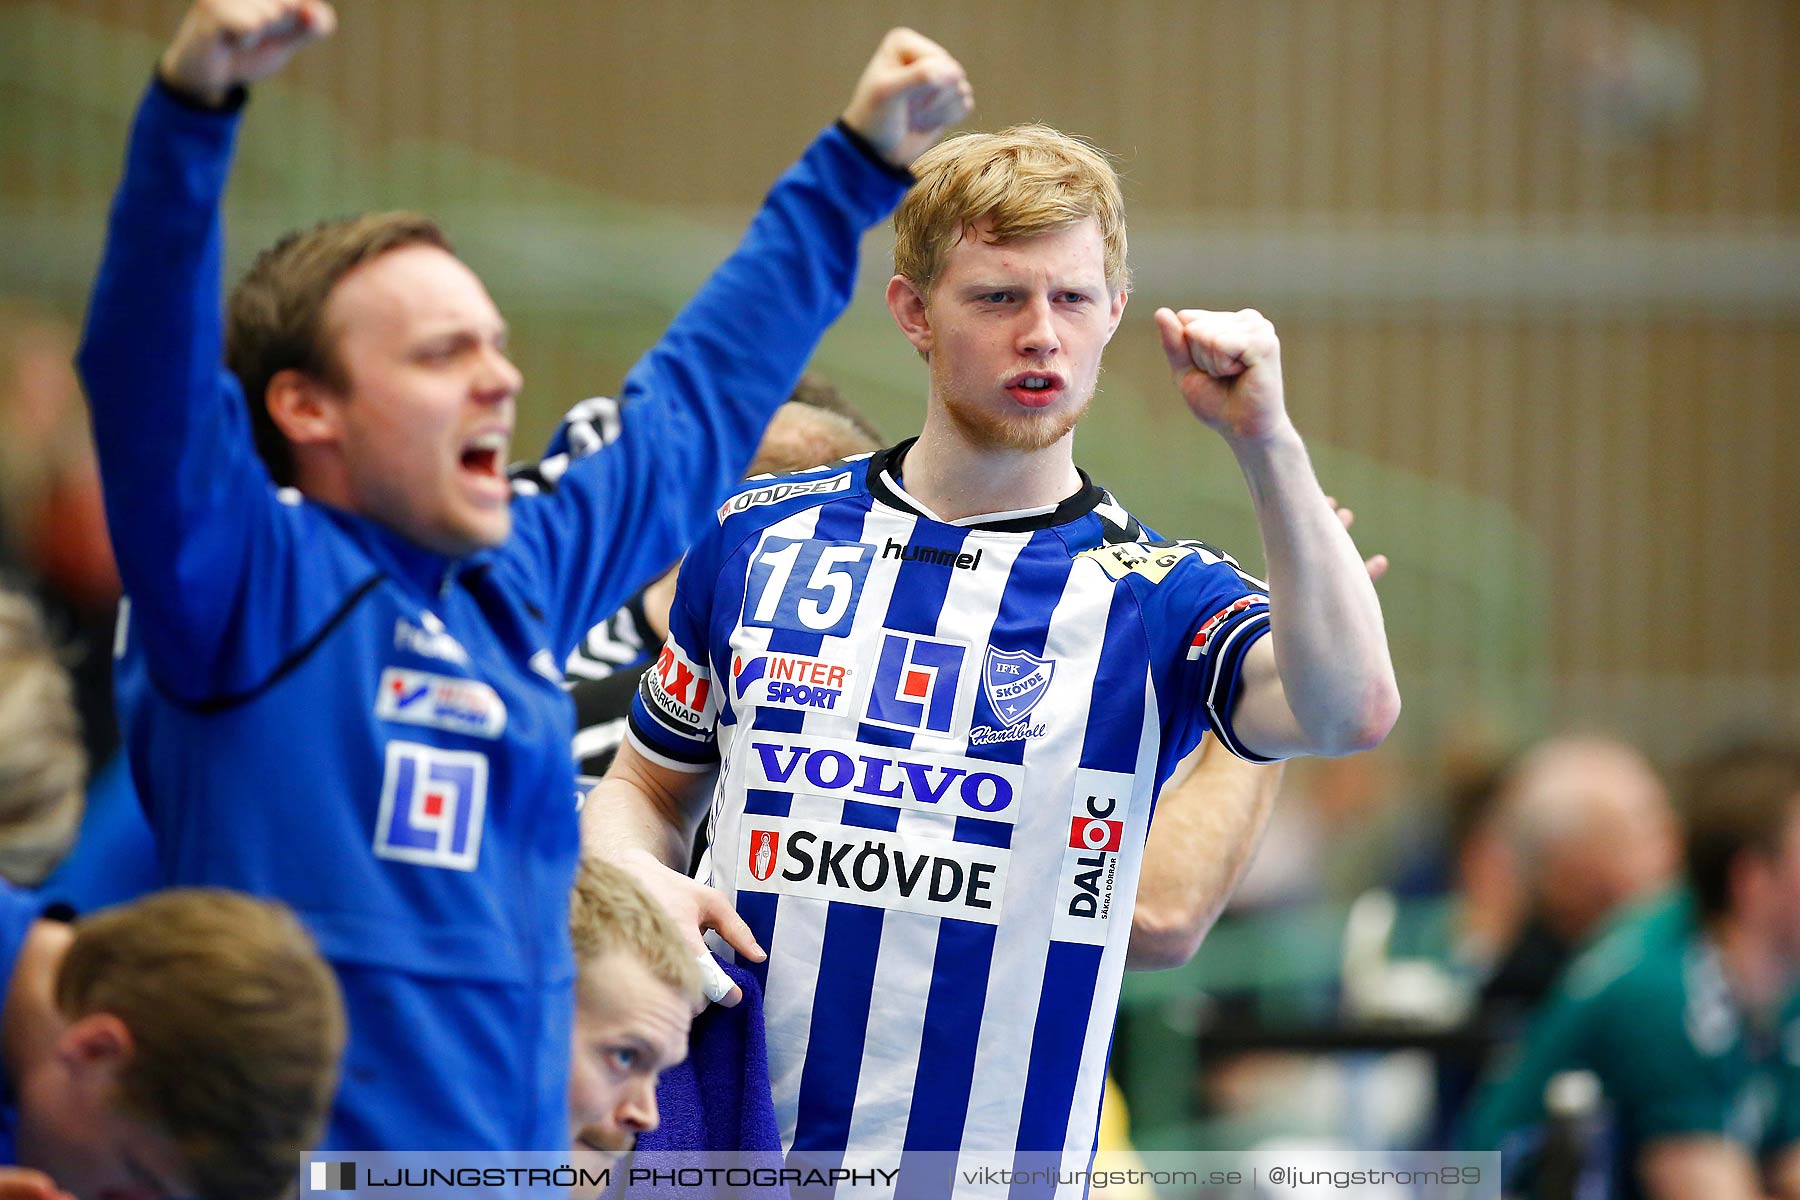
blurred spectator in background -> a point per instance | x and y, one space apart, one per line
1489 896
42 763
53 539
54 547
1547 849
636 988
183 1045
1683 1009
1589 824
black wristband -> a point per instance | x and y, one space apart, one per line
872 154
234 99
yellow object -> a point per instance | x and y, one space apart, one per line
1116 1153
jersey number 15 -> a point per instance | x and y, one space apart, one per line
807 585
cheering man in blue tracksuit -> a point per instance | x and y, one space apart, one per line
338 673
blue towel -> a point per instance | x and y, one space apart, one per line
719 1099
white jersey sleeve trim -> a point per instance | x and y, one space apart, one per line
663 760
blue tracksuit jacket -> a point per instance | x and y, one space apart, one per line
321 711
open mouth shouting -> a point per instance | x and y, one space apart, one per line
483 463
1034 389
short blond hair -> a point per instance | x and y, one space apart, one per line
610 914
1023 181
43 765
236 1024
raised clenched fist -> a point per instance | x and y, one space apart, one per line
224 44
911 91
1228 368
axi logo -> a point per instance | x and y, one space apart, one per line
680 681
915 683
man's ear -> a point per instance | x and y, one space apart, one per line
907 304
307 412
1118 313
96 1040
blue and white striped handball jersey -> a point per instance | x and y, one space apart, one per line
939 744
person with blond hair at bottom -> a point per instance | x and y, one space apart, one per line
636 987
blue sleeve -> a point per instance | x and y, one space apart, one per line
1204 614
189 505
696 404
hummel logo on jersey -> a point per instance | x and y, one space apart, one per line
1205 636
429 639
544 663
935 556
912 778
440 702
915 683
790 681
775 493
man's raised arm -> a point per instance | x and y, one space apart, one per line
698 400
1209 821
1322 682
174 447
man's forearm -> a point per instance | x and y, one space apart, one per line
1330 647
1208 824
621 819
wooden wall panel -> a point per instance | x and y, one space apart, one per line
1383 108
